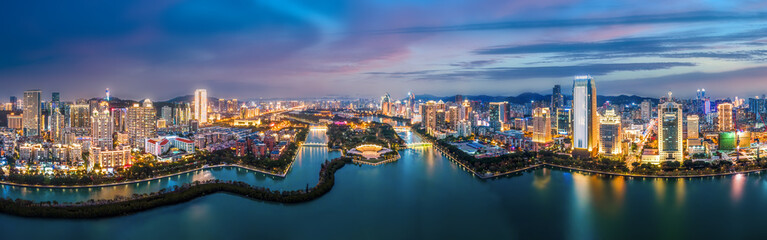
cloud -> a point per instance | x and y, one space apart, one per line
741 82
520 73
474 64
684 17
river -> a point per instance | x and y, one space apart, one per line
424 195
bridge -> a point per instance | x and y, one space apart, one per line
314 144
318 127
401 128
419 144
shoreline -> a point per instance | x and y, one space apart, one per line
551 165
143 180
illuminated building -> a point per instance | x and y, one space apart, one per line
429 116
32 113
79 115
102 127
15 121
670 131
585 124
499 114
541 125
120 118
646 110
724 111
166 113
610 133
106 158
564 119
141 123
201 105
693 128
386 105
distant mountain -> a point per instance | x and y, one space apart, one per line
188 98
528 97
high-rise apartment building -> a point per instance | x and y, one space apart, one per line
32 116
610 133
102 127
141 123
693 129
541 125
670 145
201 105
724 111
79 115
166 113
585 124
429 116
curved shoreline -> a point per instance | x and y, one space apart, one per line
144 180
551 165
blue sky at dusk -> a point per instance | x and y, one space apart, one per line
160 49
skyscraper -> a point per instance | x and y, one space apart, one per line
564 119
585 124
541 125
79 115
55 100
429 116
166 112
201 105
141 123
724 111
386 104
610 133
14 103
646 110
499 114
102 127
670 131
693 129
32 112
557 101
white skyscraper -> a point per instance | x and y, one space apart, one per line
670 131
585 123
201 105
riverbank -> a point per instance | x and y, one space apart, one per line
137 203
147 179
652 176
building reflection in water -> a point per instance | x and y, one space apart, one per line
541 178
736 190
580 219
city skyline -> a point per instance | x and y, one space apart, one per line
160 50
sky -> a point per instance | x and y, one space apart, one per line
245 49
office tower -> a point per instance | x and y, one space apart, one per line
201 105
428 116
458 99
14 103
55 100
141 123
693 129
102 127
234 106
79 115
166 113
670 131
646 110
499 114
119 118
610 133
32 112
757 107
585 124
564 119
541 125
557 99
724 111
